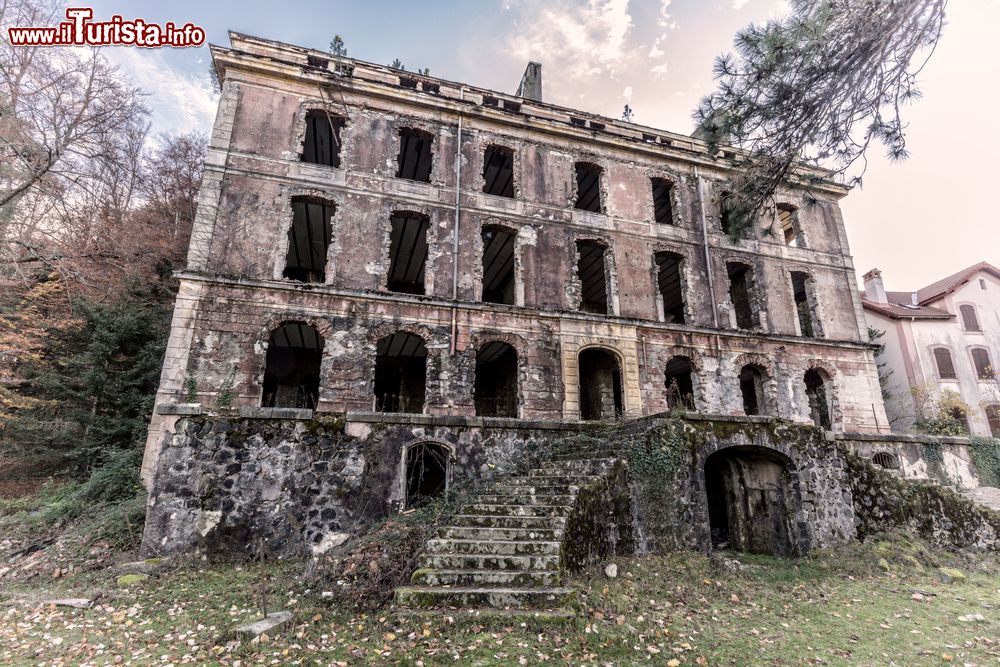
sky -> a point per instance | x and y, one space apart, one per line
917 221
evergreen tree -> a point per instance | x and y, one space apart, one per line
337 47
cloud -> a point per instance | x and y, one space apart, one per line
627 93
739 4
180 101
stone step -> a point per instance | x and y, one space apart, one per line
550 480
516 510
557 489
507 521
569 468
485 533
524 499
492 547
518 598
508 578
453 561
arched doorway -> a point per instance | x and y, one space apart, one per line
495 392
752 378
292 367
600 385
680 383
751 501
426 472
400 373
818 392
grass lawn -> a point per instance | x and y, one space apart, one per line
836 608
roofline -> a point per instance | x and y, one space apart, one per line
880 308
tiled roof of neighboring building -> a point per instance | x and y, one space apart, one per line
935 291
899 311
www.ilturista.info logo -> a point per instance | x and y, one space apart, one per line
79 30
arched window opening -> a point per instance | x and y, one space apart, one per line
818 393
499 245
415 154
680 384
588 187
426 472
309 240
741 286
400 373
495 392
322 141
407 252
600 385
751 502
670 281
592 272
498 171
292 367
885 460
981 360
752 389
945 366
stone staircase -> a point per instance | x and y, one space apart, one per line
502 550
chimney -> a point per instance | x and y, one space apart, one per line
874 288
530 87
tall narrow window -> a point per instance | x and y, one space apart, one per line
400 373
818 394
592 272
499 245
407 252
498 171
970 321
292 367
496 380
984 368
663 207
805 304
588 187
322 142
945 367
788 219
669 280
752 389
415 155
680 383
308 240
741 295
993 418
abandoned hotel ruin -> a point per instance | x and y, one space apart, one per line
397 283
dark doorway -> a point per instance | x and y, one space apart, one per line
670 282
600 385
752 389
309 239
407 252
750 501
496 392
680 384
498 171
592 273
426 472
292 367
499 244
400 373
817 392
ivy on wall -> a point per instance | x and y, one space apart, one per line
986 455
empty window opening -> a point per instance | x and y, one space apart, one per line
727 213
740 290
960 416
788 219
490 101
752 390
670 281
408 82
400 373
415 155
309 240
993 418
430 87
945 366
885 460
426 472
600 385
663 206
579 122
970 321
496 380
499 245
498 171
981 359
596 126
680 384
512 106
588 187
292 367
750 501
322 143
805 304
316 61
818 395
592 272
982 284
407 252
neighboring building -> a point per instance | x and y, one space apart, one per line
945 336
